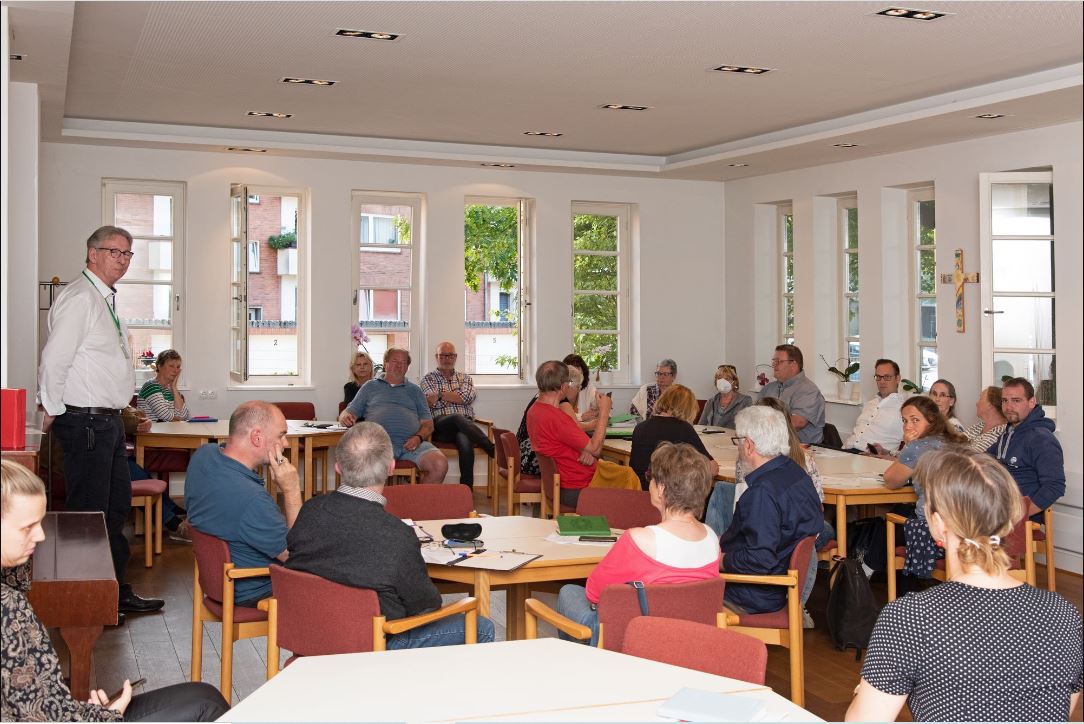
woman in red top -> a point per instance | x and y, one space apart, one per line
680 549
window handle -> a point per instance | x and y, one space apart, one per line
993 311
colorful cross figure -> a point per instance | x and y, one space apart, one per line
958 279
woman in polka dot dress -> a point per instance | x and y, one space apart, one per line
983 646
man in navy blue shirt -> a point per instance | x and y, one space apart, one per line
778 510
226 498
1028 447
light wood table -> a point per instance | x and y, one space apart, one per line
559 562
538 680
303 443
719 444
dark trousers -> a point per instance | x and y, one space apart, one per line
190 701
96 474
465 434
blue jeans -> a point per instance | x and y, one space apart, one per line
827 533
720 509
572 603
445 632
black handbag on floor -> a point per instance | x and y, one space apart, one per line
867 541
852 609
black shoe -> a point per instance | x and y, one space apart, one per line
120 619
179 511
173 524
129 602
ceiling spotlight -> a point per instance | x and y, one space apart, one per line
622 107
369 34
737 165
269 114
911 14
845 145
747 69
247 150
308 81
548 134
500 165
990 116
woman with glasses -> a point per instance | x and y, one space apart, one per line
361 371
982 646
943 393
925 428
727 402
643 402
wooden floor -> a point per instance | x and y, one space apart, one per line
157 646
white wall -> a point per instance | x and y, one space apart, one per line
680 243
753 275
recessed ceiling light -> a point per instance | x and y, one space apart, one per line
990 116
751 70
737 165
549 134
269 114
247 150
622 107
369 34
911 14
17 56
308 81
500 165
845 145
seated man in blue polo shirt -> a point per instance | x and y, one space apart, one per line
779 509
226 498
399 406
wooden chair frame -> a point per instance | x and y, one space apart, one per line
791 637
231 631
382 628
516 499
1046 547
152 524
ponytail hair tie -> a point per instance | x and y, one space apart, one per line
995 540
968 540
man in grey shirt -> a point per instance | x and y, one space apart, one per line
800 394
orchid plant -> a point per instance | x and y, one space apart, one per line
360 337
762 374
844 374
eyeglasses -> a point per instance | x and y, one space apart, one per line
116 253
884 378
777 362
737 439
447 355
663 373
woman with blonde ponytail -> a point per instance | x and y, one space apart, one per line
982 646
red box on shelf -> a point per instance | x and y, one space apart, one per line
12 418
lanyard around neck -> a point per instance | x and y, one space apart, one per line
112 314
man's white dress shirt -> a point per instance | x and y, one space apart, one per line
86 361
879 423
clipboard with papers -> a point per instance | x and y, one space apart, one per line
495 560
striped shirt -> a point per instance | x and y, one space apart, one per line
158 403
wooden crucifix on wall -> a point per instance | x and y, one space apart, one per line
958 279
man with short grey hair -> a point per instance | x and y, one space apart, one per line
347 537
772 516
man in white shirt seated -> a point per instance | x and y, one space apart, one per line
879 429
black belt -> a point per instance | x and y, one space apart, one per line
92 410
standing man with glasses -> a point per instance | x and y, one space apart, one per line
451 395
879 428
85 380
800 394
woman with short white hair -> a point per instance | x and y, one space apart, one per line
643 402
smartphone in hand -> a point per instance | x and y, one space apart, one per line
116 694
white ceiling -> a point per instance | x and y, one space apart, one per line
466 79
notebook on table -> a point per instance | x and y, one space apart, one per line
577 525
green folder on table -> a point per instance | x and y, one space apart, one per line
576 525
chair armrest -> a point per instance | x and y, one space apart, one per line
235 573
399 625
483 422
790 578
265 604
535 609
894 518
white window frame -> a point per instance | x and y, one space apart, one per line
416 202
986 241
624 332
914 229
524 214
253 256
782 214
239 377
844 205
176 190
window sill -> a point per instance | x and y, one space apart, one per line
837 401
241 388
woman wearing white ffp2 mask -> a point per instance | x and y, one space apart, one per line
721 409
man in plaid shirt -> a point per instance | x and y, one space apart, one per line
451 398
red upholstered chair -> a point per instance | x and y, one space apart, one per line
623 508
698 646
297 410
312 616
521 488
213 600
147 494
551 487
700 408
430 501
700 601
782 627
404 469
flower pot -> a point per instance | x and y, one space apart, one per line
845 390
604 378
